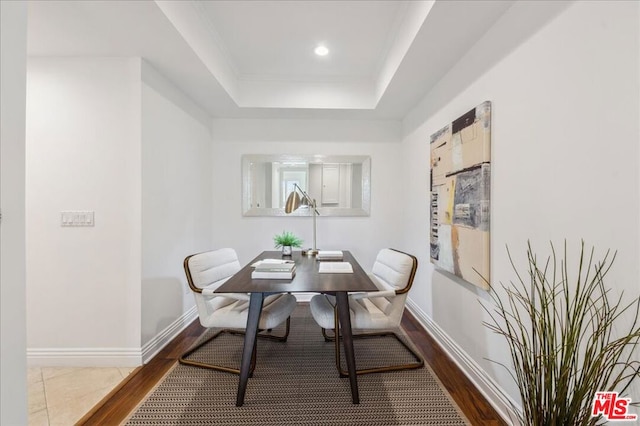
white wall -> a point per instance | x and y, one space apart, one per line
83 153
363 236
565 157
13 62
176 202
113 136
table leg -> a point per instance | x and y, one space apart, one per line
251 334
347 339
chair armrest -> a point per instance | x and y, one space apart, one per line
372 294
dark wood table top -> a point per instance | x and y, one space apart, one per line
306 279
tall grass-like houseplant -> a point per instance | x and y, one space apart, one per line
566 336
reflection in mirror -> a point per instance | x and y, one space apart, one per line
341 185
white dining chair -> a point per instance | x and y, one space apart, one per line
393 273
205 273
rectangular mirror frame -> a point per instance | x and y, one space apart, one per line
365 161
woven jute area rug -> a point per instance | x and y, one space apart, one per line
296 383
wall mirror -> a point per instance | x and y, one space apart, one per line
340 184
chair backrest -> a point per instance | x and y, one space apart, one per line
393 270
208 271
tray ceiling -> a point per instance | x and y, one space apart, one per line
255 58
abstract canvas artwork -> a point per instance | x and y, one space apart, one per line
460 195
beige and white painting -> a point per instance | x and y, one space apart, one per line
460 195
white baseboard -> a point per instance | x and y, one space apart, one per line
153 346
304 297
84 357
494 393
109 357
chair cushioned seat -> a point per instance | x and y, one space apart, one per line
322 311
275 310
364 313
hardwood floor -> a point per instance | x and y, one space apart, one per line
463 392
116 406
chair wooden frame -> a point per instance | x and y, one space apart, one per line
419 361
183 358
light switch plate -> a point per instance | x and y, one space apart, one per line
77 218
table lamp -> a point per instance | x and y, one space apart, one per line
294 201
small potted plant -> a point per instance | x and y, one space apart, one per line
287 240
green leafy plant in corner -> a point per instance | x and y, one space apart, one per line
287 239
566 337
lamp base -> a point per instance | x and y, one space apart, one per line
310 252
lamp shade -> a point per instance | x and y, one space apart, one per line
293 202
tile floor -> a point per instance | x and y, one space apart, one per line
60 396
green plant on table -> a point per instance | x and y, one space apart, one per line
567 337
287 239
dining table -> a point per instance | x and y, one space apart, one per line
307 279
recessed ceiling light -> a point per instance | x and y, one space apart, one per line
321 50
